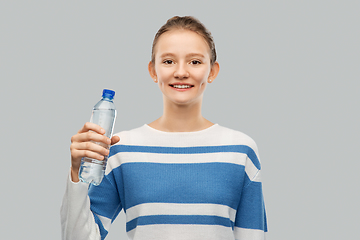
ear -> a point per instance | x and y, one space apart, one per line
215 68
152 71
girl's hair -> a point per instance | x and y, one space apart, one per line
186 23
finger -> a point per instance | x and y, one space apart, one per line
115 139
78 154
89 146
91 136
92 127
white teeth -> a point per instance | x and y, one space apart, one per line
181 86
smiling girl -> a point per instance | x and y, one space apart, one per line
180 176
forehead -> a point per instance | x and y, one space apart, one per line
181 41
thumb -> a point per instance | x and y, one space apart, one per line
115 139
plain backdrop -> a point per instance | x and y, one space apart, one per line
289 78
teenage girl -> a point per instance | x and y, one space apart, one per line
180 176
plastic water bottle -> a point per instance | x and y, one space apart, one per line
103 114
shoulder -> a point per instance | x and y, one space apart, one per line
245 144
128 136
234 137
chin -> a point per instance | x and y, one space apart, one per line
184 103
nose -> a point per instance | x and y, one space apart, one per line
181 71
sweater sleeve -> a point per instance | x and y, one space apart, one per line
250 221
87 211
105 203
77 221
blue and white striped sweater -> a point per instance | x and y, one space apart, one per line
197 185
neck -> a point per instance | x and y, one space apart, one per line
181 118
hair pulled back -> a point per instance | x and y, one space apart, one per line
186 23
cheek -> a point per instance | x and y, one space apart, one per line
203 85
202 76
163 74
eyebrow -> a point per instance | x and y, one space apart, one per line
195 55
188 55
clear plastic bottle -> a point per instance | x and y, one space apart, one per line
103 114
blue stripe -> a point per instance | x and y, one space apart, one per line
104 198
217 183
188 150
179 219
251 210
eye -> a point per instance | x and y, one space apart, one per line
195 62
168 61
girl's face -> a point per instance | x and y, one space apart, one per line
182 66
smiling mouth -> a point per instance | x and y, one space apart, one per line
181 86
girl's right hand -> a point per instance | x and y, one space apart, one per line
83 145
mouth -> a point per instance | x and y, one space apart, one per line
181 86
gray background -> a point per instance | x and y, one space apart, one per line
289 79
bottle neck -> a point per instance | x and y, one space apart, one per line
107 99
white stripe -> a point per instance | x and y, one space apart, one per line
244 233
106 222
257 177
229 157
148 209
252 171
181 232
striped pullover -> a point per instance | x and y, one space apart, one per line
202 185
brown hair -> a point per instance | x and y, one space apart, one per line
186 23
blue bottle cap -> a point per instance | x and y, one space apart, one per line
107 93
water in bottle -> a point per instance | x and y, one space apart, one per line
103 114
